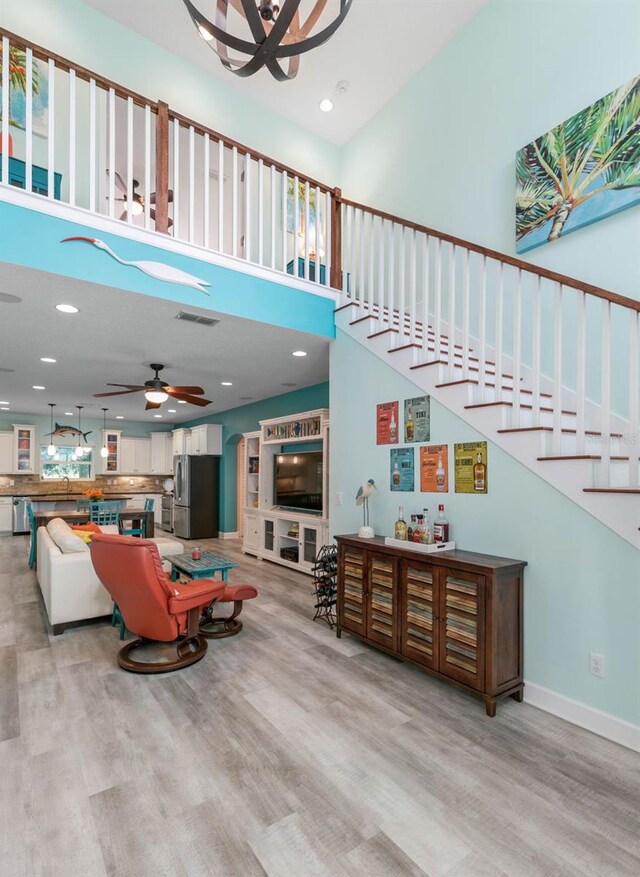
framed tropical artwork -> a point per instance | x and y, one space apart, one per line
18 91
583 170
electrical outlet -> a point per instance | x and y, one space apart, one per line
596 664
12 483
339 498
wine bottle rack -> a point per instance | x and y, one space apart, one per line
324 581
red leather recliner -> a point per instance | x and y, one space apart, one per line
218 627
152 606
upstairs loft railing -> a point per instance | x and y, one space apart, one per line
552 349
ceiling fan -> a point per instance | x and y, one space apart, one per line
138 200
157 391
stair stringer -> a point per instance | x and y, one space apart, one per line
620 512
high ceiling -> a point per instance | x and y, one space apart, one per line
377 49
117 334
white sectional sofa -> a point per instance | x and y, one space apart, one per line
70 588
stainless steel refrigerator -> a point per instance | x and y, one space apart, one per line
196 496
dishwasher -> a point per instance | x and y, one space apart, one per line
20 515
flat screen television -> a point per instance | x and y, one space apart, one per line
298 481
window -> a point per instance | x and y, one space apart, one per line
63 465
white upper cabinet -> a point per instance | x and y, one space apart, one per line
161 462
206 439
135 456
179 441
6 453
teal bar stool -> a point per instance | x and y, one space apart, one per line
105 512
34 541
82 505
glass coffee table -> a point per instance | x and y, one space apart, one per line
204 568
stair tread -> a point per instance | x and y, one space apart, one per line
581 457
630 490
510 405
550 429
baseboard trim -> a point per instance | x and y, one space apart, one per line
228 535
594 720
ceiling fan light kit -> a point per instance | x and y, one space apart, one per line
157 391
278 33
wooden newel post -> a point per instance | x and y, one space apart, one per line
336 239
162 168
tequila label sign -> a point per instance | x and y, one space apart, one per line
471 467
402 469
387 423
417 419
434 469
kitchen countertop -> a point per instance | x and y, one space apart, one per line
72 497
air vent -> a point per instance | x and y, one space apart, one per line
7 371
196 318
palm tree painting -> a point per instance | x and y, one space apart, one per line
18 91
581 171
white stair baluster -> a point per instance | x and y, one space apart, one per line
72 136
296 224
51 137
192 184
206 189
392 274
605 396
380 234
28 128
482 332
425 293
307 228
413 287
246 249
129 160
285 238
328 240
234 201
176 178
220 196
632 445
535 352
517 350
402 292
466 282
451 327
581 351
112 152
557 370
437 318
147 162
260 212
317 258
499 332
272 231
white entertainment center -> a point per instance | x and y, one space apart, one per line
291 537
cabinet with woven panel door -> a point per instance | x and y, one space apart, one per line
456 615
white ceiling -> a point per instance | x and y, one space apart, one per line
377 49
117 334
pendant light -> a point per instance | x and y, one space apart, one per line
79 450
104 450
51 450
272 33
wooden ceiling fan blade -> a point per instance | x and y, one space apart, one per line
120 183
153 197
130 386
177 391
150 405
115 393
192 400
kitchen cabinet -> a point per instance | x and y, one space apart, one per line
135 456
161 459
6 453
251 543
24 449
456 615
180 441
6 508
110 465
206 439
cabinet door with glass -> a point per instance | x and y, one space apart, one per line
310 543
268 535
111 441
24 449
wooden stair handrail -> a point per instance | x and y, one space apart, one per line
588 288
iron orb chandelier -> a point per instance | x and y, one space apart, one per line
278 34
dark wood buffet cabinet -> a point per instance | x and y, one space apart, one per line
456 615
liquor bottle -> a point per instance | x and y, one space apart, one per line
395 477
440 475
393 429
409 428
479 475
418 530
411 528
441 527
401 526
428 529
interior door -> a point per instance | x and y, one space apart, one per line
462 626
382 590
419 627
352 583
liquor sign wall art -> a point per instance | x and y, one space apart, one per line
470 460
417 419
434 469
402 475
387 423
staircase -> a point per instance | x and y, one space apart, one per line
544 366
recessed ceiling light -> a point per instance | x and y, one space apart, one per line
68 413
157 415
171 411
119 417
226 383
2 402
47 359
38 387
181 402
67 309
299 353
5 409
326 105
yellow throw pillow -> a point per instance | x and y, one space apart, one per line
84 535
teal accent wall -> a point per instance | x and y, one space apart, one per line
246 418
76 31
582 584
442 151
230 292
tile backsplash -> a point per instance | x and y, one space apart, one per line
23 484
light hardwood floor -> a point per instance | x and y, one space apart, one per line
285 752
